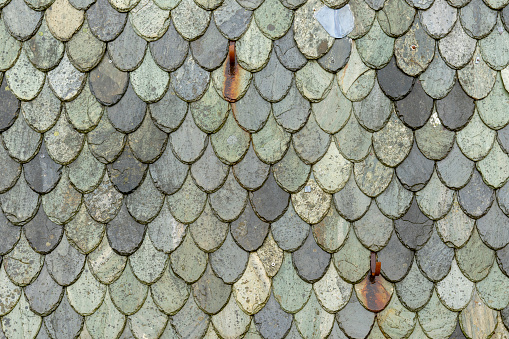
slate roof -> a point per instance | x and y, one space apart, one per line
151 189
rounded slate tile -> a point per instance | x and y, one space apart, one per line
494 167
188 142
149 20
290 231
20 203
271 142
123 5
24 80
21 320
288 53
396 17
252 290
127 293
270 255
492 288
415 109
231 88
269 201
375 238
438 79
455 290
126 173
182 85
374 111
476 78
293 111
127 51
11 293
127 115
395 200
331 291
495 46
414 291
364 17
232 20
477 309
251 172
393 82
149 320
273 19
393 142
249 231
310 260
209 50
354 319
320 321
352 260
188 202
149 81
332 171
350 202
456 109
493 228
231 142
145 203
470 17
290 291
456 169
356 80
375 48
208 172
165 118
147 263
190 20
21 20
41 173
491 107
332 231
456 227
414 228
434 258
165 238
63 142
10 233
170 51
311 142
229 201
435 200
353 141
105 264
433 139
10 49
415 171
63 19
22 264
313 81
63 202
170 293
475 258
43 50
229 261
231 322
502 256
396 259
396 313
190 321
252 50
271 321
124 233
64 322
437 321
10 107
457 47
106 143
105 22
44 294
337 57
208 231
42 234
65 80
85 239
251 112
107 83
148 142
439 19
476 197
371 176
104 202
168 172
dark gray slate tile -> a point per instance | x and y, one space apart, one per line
394 83
10 170
310 260
127 51
126 173
415 109
354 319
477 19
290 230
476 197
274 80
127 114
42 233
168 172
251 172
456 169
288 53
503 138
210 49
231 19
269 201
44 293
171 50
435 258
105 142
293 111
502 256
10 235
337 57
169 112
210 292
65 263
65 322
248 230
493 228
456 109
271 321
416 170
414 228
229 261
148 142
9 108
105 22
208 172
350 202
396 259
107 83
190 81
125 234
457 334
42 173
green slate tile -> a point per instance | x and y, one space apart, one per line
434 258
124 233
353 141
476 190
170 292
126 173
352 260
86 238
188 261
393 142
492 288
107 83
104 202
169 112
20 203
331 291
271 142
105 22
166 238
190 321
43 50
168 58
332 171
211 111
106 143
288 53
149 81
491 107
24 80
270 255
251 112
456 227
22 264
146 202
374 111
167 4
272 321
455 290
293 111
456 169
273 19
311 142
395 320
475 258
208 231
439 19
356 79
148 141
252 290
63 19
41 173
337 57
371 176
84 49
63 142
21 321
209 172
230 142
188 142
127 293
9 294
190 26
64 322
187 204
147 262
470 318
210 49
435 199
21 20
395 200
291 292
86 295
229 201
313 81
313 321
457 48
354 319
148 322
86 171
250 4
350 202
182 85
251 172
65 263
470 19
149 20
249 231
364 18
105 264
436 320
375 48
231 322
416 170
229 261
210 292
433 139
43 294
493 167
127 50
46 101
232 20
495 46
374 241
414 291
476 78
253 49
492 228
438 79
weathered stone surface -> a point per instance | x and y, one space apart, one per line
124 233
63 19
210 292
354 319
289 289
272 321
107 83
434 259
105 22
416 170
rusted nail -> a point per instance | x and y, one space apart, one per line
232 79
231 55
376 266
